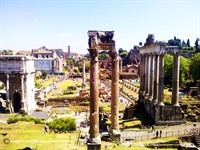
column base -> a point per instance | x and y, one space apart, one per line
150 98
176 105
115 135
95 140
93 146
8 110
161 104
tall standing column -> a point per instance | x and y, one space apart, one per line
151 77
142 65
156 79
175 81
115 97
161 81
23 103
120 65
94 98
144 74
7 87
147 75
83 71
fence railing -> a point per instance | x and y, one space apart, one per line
152 135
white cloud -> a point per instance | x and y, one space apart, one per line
64 35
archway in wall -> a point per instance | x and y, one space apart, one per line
16 102
2 90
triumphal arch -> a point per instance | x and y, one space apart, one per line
17 74
102 40
152 82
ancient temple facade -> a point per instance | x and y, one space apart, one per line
17 74
152 82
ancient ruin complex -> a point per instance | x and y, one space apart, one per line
152 82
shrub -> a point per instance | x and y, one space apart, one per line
18 118
62 125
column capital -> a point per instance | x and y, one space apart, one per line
22 76
7 75
114 55
94 54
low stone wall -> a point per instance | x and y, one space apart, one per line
164 115
67 100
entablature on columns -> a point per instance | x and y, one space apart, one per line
159 49
101 40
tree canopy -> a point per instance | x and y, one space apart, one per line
194 66
184 69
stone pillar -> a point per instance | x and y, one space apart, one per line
142 74
94 141
156 79
8 102
120 60
147 76
23 103
115 133
175 81
151 77
83 73
7 87
161 81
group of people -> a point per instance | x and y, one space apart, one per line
157 132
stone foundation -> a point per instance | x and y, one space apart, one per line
164 115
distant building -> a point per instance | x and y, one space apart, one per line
48 60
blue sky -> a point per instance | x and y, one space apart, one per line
30 24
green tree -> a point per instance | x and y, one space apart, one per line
168 61
188 42
123 54
184 69
120 50
194 66
197 45
70 61
7 52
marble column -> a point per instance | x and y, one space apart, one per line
115 97
94 136
147 75
7 87
175 81
83 73
151 77
23 103
120 64
156 79
142 77
161 81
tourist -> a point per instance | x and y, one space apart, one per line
160 133
157 134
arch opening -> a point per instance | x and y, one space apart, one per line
16 102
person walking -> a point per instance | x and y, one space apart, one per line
157 134
160 133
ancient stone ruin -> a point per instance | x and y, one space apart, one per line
102 40
17 74
152 82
